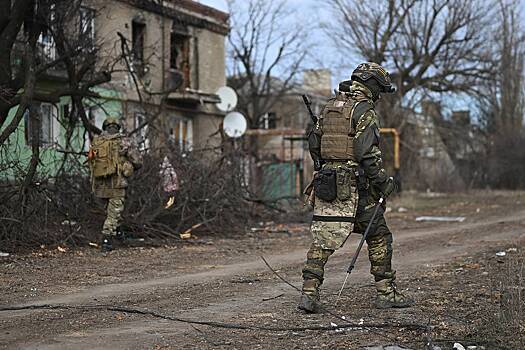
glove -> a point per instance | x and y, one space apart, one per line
388 187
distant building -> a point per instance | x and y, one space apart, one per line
284 165
174 45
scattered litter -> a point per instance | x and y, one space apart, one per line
68 223
390 347
344 318
245 280
402 210
272 298
187 234
441 218
478 210
361 321
333 324
472 347
501 254
170 202
458 346
512 250
60 249
93 244
3 254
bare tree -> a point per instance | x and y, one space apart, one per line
429 46
503 101
263 44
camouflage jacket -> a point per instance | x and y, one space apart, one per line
366 144
115 186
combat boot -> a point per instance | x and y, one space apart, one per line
389 297
106 245
310 297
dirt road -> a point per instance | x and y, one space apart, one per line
450 269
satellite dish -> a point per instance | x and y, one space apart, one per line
234 124
228 99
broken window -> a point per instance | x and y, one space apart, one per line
180 52
142 134
46 46
269 121
87 26
138 29
40 122
182 134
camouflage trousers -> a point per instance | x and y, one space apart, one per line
114 209
379 241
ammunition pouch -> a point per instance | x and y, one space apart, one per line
325 185
346 179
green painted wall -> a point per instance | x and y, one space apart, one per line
17 153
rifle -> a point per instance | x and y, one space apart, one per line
308 104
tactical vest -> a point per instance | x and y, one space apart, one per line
104 156
337 141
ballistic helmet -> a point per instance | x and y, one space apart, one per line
111 121
368 70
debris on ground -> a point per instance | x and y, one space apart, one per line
390 347
501 253
68 223
3 254
402 210
458 346
441 218
187 234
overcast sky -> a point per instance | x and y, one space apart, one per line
309 11
326 56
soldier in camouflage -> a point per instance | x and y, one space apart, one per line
346 140
113 148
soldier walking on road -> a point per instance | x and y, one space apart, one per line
348 183
113 158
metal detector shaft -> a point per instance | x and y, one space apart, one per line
363 239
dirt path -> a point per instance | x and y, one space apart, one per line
239 289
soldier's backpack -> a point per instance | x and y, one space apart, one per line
104 156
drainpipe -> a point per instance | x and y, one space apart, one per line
397 162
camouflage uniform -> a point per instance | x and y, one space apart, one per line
112 189
330 236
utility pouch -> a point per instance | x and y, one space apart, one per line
345 182
325 185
